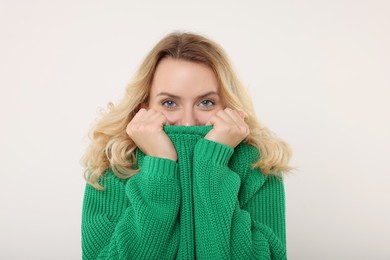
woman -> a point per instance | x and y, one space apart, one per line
174 170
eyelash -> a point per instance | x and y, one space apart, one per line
164 102
210 103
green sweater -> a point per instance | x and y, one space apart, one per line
210 204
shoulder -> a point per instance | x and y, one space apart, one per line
247 150
243 159
252 179
244 156
110 183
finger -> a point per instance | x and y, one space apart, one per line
242 114
235 116
228 116
156 117
147 119
238 120
139 114
213 119
137 117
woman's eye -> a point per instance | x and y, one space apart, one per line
169 104
206 103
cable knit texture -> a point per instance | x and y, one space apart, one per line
210 204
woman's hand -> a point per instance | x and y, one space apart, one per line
229 127
146 130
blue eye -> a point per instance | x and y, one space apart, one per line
169 104
206 103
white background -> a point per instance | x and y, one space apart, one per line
318 72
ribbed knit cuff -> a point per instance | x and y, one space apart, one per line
213 151
161 168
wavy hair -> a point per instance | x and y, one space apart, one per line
110 145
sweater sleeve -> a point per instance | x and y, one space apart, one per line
226 227
133 219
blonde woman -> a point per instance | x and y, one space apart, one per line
181 168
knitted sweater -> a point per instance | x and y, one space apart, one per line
210 204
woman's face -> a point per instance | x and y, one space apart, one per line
185 92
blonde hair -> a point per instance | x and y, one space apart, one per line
111 147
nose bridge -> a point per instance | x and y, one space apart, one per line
188 116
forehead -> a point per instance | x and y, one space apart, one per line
181 76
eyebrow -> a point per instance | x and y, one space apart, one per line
177 97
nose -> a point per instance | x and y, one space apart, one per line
188 118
